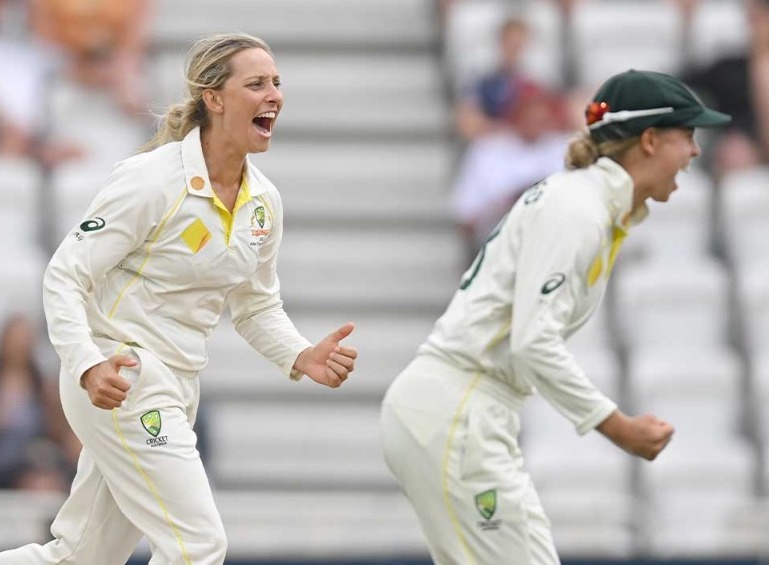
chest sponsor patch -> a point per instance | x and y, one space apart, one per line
196 235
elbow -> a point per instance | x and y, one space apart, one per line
521 351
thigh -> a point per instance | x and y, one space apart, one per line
458 462
146 451
496 512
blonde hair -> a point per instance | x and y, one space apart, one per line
583 150
207 67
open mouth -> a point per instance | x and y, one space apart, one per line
263 123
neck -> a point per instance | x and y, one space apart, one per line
637 171
224 162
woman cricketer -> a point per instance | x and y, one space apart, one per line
450 420
178 234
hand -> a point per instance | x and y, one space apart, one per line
106 388
645 436
328 363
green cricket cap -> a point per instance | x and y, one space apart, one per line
629 102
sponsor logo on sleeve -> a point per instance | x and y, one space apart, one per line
93 224
552 283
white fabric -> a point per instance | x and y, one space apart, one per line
448 437
498 167
131 481
136 280
530 288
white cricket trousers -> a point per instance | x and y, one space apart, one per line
139 473
450 439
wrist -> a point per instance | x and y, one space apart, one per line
301 361
614 426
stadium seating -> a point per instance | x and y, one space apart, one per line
363 158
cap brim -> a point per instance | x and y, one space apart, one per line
708 118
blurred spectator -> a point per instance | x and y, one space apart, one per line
25 69
498 167
484 109
104 40
37 448
739 85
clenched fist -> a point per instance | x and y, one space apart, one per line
106 388
645 436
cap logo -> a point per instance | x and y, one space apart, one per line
595 112
625 115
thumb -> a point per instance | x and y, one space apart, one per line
118 361
341 333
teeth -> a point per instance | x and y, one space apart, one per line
270 115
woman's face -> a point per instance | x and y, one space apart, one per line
250 101
674 150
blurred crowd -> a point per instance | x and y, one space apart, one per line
98 43
38 451
513 129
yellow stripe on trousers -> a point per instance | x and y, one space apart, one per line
152 488
155 237
445 471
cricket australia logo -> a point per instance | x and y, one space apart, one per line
152 423
486 504
260 226
259 215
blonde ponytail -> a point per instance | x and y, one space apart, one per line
583 151
208 67
180 119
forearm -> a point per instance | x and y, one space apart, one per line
553 371
274 335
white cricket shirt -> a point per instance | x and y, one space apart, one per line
539 277
157 259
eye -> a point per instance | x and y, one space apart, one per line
256 85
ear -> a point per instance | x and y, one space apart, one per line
213 101
648 141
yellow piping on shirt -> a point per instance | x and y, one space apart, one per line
618 236
154 239
151 486
445 469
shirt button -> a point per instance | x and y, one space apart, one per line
197 183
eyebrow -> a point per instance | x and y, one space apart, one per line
262 77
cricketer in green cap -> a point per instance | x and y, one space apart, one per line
632 101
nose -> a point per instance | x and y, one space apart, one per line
274 94
695 148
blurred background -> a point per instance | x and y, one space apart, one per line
409 127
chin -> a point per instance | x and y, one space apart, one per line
259 147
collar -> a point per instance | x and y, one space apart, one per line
619 195
196 172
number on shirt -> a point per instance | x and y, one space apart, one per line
476 266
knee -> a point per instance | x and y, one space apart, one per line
213 547
207 547
218 543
